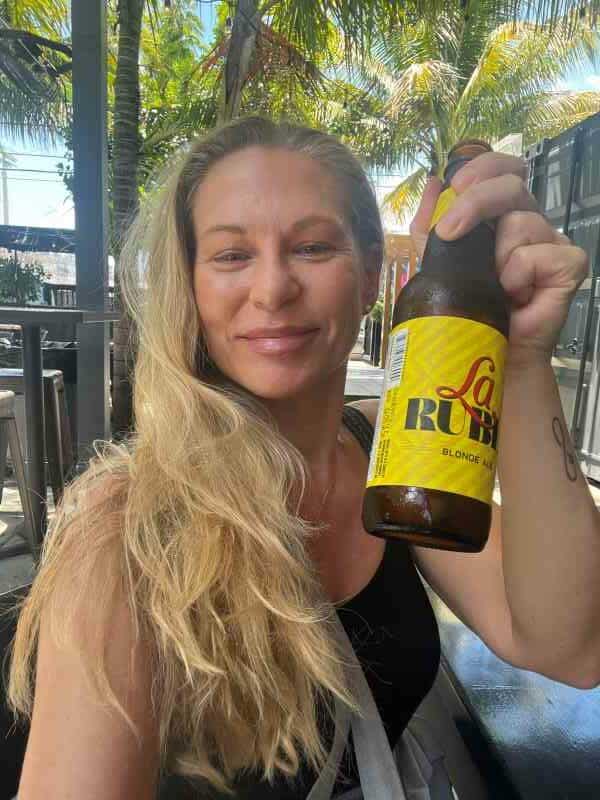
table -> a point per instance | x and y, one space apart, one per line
32 319
544 736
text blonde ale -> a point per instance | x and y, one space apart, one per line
433 462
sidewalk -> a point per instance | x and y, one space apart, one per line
363 380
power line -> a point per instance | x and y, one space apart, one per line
25 169
38 155
34 180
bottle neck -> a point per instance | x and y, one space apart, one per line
472 256
453 167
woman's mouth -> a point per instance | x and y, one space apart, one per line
279 341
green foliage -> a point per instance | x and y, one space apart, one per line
35 87
473 75
20 283
398 80
176 102
377 311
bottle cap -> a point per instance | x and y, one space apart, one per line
468 148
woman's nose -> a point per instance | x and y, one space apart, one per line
274 283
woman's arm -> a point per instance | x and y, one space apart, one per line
550 528
79 746
533 593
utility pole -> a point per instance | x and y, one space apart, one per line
4 191
88 24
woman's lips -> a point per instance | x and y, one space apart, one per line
280 344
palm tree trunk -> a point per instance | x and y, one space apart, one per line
126 148
242 44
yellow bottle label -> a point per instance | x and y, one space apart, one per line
444 203
437 425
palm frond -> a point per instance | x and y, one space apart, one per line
404 199
420 85
45 17
554 112
27 121
495 59
519 61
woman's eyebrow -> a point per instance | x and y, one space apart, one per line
223 229
299 225
316 219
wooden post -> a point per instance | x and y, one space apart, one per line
385 323
398 276
412 260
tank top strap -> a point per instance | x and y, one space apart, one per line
359 425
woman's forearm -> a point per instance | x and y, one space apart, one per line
550 526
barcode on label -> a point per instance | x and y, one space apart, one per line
397 359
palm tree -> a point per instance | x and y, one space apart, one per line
308 24
155 42
125 156
35 62
472 78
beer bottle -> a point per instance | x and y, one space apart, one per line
433 461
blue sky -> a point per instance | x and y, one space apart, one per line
37 195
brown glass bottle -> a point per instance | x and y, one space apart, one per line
458 279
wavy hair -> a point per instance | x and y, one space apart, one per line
200 526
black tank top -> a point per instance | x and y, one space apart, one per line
394 633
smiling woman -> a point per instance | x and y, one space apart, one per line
200 563
280 284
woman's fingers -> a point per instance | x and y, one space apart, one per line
484 200
542 266
521 228
486 166
541 280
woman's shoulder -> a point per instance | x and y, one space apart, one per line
368 408
81 576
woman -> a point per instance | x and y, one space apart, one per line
181 619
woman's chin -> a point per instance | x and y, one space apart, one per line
277 387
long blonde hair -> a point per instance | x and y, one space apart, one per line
201 529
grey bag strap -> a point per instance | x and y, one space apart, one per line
414 771
420 760
379 778
323 787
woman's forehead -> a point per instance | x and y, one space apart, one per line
259 185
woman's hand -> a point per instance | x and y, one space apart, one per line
539 268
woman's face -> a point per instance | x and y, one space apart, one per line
278 281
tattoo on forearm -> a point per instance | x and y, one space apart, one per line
563 441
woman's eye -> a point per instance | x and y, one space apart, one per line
231 257
315 249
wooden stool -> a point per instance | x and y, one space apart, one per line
59 446
9 437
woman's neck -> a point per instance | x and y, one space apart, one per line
312 422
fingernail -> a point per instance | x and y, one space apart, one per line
449 225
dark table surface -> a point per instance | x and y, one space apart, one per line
546 735
34 315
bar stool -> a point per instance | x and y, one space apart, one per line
59 445
9 438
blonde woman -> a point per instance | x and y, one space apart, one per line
181 621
